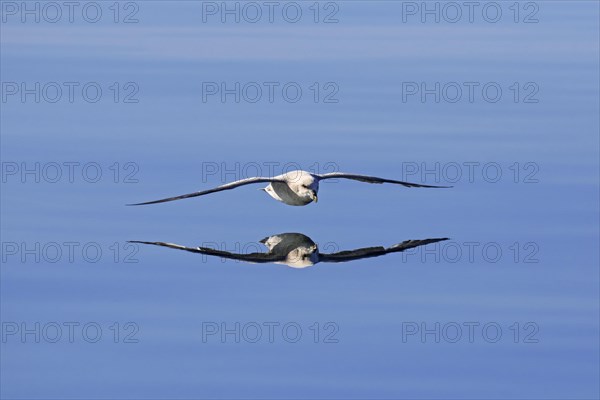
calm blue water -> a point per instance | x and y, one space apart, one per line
523 255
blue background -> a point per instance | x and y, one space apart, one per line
171 135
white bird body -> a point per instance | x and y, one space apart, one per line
298 250
295 188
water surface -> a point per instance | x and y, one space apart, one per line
541 212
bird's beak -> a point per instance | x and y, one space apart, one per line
315 197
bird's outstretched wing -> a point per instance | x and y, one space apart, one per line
250 257
373 179
368 252
227 186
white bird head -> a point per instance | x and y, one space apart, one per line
302 257
303 183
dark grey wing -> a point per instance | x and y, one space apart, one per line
227 186
373 179
250 257
368 252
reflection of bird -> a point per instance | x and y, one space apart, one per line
299 251
295 188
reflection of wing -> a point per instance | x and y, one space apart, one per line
283 243
373 179
227 186
368 252
250 257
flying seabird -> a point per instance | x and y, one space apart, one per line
295 188
299 251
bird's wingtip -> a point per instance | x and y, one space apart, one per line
145 242
435 240
144 203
